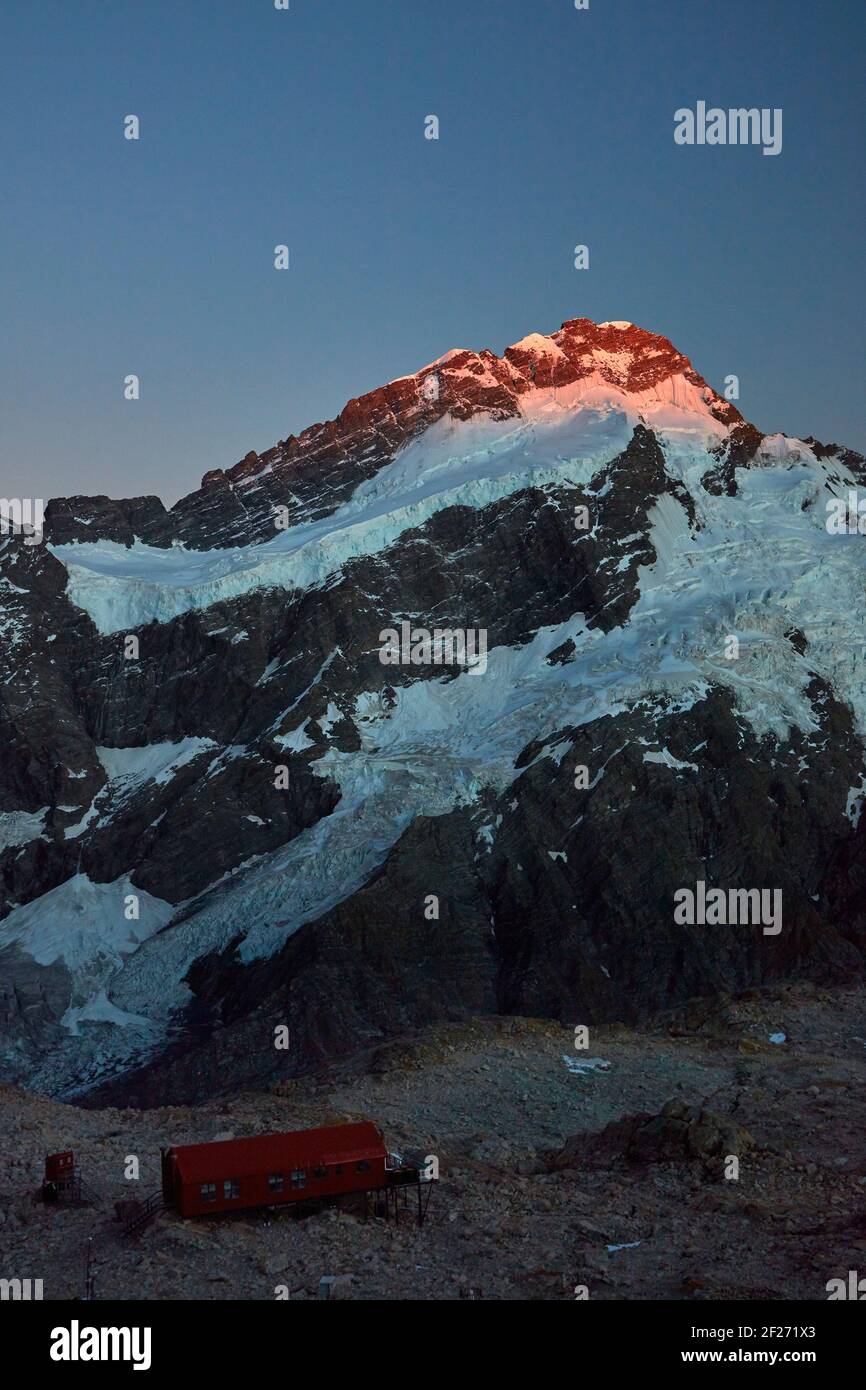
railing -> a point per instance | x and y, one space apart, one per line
86 1193
144 1214
400 1177
69 1189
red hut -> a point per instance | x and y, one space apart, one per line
273 1169
59 1184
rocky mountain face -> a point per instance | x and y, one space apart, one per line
238 839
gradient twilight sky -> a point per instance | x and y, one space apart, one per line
306 127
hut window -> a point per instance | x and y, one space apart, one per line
320 1172
275 1182
208 1191
299 1177
363 1166
338 1168
231 1188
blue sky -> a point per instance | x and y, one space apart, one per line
306 127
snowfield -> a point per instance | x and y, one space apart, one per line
563 435
85 926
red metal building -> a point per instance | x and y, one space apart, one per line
59 1168
60 1177
273 1169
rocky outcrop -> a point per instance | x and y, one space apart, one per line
679 1133
737 451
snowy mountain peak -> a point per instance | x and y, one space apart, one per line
585 368
631 359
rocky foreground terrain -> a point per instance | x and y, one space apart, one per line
559 1168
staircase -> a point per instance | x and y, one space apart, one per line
143 1215
87 1193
